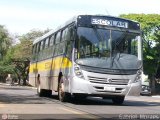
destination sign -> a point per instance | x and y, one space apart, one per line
106 22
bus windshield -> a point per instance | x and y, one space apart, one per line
106 44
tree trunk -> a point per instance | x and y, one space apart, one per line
152 84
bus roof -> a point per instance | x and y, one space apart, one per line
74 19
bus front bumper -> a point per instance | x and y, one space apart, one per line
81 86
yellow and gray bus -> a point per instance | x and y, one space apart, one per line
90 55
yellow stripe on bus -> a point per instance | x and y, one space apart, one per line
46 64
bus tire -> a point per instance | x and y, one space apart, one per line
118 100
62 95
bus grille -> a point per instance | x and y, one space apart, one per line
108 81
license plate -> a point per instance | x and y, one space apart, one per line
112 89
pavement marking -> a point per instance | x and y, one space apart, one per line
85 115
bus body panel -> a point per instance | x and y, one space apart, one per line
49 71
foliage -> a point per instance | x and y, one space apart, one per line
5 41
20 54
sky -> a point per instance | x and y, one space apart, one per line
22 16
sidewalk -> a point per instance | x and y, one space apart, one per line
8 84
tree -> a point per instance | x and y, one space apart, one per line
150 24
5 41
22 54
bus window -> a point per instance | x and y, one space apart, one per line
42 45
38 47
51 40
33 52
69 49
33 49
64 34
57 39
46 42
56 49
68 34
61 48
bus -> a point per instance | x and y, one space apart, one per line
90 55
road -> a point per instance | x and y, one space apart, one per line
21 102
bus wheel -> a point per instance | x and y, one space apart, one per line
118 100
62 95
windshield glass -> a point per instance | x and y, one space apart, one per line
124 42
105 48
93 42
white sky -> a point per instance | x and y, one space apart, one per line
21 16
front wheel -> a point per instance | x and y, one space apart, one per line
62 95
118 100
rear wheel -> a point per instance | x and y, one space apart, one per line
62 95
118 100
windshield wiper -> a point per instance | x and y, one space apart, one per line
117 45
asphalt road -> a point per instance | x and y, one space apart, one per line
20 102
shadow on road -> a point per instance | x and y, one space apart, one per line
26 95
99 101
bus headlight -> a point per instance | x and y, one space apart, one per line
78 71
138 77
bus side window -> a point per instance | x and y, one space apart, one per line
64 34
69 40
69 33
41 45
61 48
38 47
57 39
41 50
33 52
46 42
56 49
69 49
51 42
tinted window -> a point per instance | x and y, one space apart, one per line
64 34
69 49
46 43
58 35
51 40
41 45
